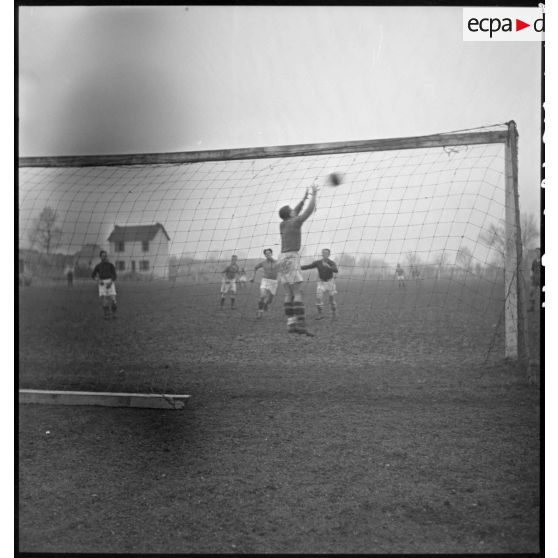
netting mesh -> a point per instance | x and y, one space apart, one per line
174 227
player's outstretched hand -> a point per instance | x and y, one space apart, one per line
315 188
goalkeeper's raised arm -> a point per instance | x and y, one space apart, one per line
310 207
298 207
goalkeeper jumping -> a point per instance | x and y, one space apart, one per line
289 261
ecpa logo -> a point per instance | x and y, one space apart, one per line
503 24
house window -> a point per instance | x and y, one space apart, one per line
144 265
120 265
119 246
145 245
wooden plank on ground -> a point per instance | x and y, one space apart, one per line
104 399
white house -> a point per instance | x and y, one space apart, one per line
143 249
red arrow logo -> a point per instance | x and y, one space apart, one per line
519 25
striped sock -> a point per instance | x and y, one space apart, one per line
289 312
299 312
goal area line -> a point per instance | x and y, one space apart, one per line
103 399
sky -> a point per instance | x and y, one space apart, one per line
98 80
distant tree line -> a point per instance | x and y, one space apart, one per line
45 235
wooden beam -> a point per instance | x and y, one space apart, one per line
522 333
511 324
104 399
416 142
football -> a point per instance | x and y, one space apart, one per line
334 179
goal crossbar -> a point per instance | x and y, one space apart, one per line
390 144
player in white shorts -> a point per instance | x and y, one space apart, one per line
400 274
289 261
326 283
269 282
228 283
105 275
242 279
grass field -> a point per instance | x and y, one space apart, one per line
398 428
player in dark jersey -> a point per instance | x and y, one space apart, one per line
268 285
228 284
289 261
535 275
326 283
105 275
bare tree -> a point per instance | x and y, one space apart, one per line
45 234
371 266
464 259
495 236
364 262
440 261
414 262
346 260
529 231
479 269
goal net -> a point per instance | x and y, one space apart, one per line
443 208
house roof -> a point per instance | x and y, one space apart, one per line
136 233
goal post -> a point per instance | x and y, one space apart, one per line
424 201
516 329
